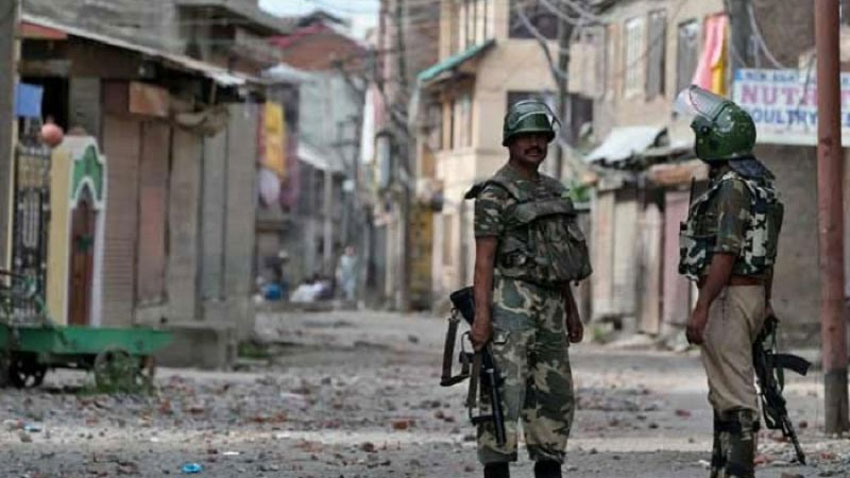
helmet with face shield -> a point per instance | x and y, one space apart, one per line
724 131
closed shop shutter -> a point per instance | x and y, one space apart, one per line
603 255
153 203
122 146
649 283
676 306
625 254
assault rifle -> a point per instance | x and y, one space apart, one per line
770 375
481 363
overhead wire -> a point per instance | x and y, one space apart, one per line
760 39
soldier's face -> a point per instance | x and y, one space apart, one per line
529 149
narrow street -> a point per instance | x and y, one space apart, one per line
357 395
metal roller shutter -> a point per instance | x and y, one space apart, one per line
122 145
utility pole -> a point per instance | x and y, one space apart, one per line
9 48
402 150
830 218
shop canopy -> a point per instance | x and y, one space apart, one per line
450 64
626 142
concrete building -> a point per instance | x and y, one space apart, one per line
487 61
323 213
178 236
405 44
632 65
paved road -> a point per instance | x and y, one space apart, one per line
356 395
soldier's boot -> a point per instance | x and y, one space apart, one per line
740 457
718 455
547 469
497 470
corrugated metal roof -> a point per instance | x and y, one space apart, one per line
454 61
216 73
247 11
626 142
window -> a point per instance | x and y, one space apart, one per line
538 15
463 121
434 127
656 64
634 52
587 63
449 121
473 20
687 53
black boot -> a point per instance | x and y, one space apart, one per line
718 454
742 445
547 469
497 470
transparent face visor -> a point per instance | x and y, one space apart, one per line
694 102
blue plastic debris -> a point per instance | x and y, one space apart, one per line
192 468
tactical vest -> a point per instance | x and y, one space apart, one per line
542 243
758 252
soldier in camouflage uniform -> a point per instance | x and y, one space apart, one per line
728 246
528 250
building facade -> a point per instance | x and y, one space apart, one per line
177 137
488 60
632 64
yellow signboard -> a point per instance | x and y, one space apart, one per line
274 138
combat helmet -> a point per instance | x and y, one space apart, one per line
724 131
528 116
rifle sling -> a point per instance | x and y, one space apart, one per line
474 377
449 349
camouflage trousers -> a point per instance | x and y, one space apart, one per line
530 348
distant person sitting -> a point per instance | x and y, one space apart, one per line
305 292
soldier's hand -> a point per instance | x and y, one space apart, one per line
575 328
480 333
696 326
768 311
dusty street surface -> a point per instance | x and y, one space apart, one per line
357 395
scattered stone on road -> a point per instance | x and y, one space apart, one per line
356 394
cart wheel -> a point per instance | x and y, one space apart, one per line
115 370
25 371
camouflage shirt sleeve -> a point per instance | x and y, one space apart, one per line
733 215
489 211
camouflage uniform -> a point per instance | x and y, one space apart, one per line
530 344
739 216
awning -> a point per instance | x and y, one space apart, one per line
217 74
453 62
319 158
626 142
283 73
